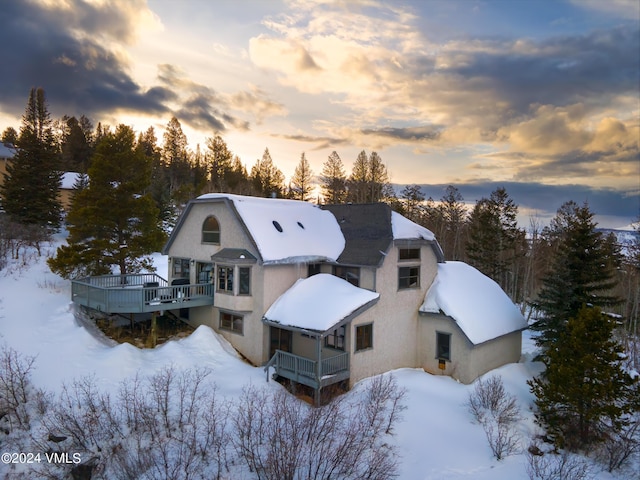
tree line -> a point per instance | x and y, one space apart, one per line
579 290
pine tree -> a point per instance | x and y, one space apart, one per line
31 184
454 214
333 180
584 392
578 275
9 135
378 179
219 163
493 238
358 180
413 199
76 149
266 178
111 222
301 180
175 157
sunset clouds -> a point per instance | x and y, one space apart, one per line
459 91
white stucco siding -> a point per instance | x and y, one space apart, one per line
395 319
188 241
468 361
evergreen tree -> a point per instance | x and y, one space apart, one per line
333 180
9 135
111 222
493 238
175 158
76 149
267 179
378 179
454 214
31 184
237 178
219 163
578 275
301 180
413 199
585 392
358 181
159 186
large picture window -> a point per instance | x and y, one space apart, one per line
443 346
408 277
233 323
225 279
211 231
364 337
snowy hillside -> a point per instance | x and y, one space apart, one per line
437 437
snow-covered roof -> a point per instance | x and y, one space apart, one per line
69 180
318 303
287 230
6 152
403 228
478 305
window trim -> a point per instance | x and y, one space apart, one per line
215 233
239 276
357 338
227 268
408 256
439 336
183 262
233 317
348 271
409 286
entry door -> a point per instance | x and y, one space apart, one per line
280 340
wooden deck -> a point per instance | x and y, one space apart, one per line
305 370
138 293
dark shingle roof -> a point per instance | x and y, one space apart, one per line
367 231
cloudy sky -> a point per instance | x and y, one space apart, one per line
541 96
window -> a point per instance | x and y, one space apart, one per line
233 323
335 339
211 231
244 281
225 279
205 272
408 254
408 277
350 274
443 346
364 337
180 268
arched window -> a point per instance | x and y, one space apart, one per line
211 231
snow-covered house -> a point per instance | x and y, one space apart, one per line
339 292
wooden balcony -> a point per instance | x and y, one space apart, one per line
305 370
138 293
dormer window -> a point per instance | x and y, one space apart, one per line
211 231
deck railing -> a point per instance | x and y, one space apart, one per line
304 370
137 293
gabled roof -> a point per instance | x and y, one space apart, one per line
283 231
477 304
370 228
319 304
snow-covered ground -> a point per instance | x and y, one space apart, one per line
437 438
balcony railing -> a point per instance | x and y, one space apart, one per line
138 293
304 370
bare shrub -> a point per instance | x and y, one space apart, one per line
280 437
497 411
170 425
16 390
562 466
620 446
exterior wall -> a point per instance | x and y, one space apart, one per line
395 317
468 361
